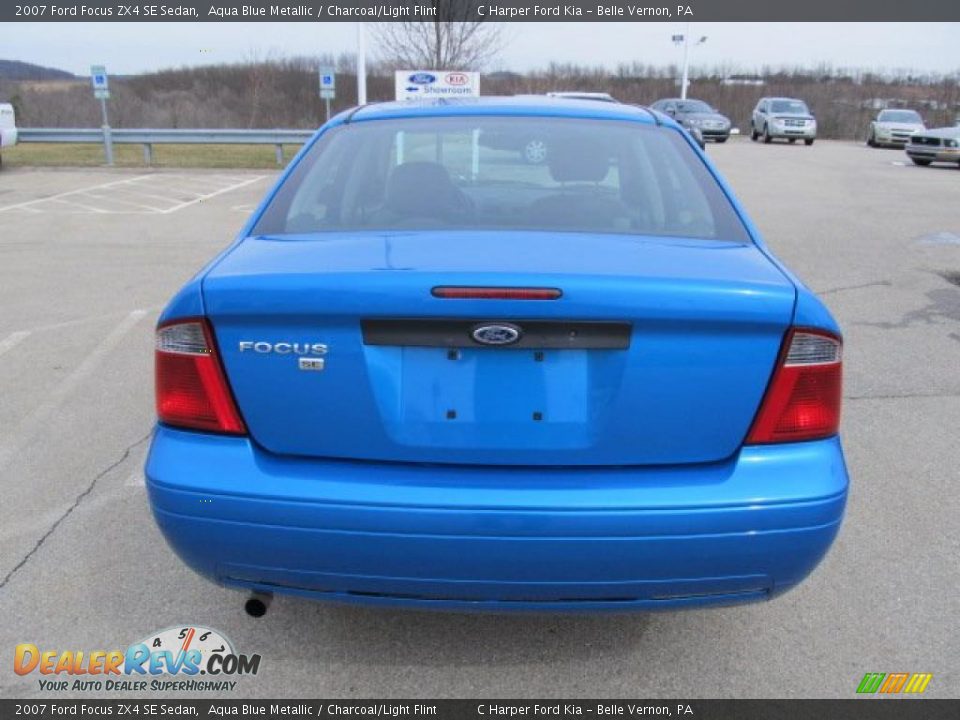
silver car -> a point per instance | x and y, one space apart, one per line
783 118
939 145
893 128
696 115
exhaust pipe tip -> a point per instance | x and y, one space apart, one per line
257 604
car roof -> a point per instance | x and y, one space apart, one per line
515 105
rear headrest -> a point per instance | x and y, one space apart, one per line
580 162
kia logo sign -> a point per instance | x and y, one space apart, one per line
422 78
457 79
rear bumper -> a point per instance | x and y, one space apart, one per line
499 539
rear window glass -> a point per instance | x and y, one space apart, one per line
480 173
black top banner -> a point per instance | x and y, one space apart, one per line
483 10
486 709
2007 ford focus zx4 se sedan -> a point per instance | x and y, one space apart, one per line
431 373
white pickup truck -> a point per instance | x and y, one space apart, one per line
8 127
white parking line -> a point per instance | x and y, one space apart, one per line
179 184
204 181
113 199
36 420
213 194
28 203
81 321
141 195
86 208
165 198
12 340
136 477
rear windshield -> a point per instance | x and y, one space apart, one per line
481 173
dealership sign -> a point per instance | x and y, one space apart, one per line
432 84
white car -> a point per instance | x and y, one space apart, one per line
8 127
894 128
786 118
937 145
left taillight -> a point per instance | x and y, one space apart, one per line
803 400
191 388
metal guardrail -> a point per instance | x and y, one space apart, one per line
150 137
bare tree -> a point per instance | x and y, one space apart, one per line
452 40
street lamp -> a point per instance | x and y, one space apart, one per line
685 39
361 65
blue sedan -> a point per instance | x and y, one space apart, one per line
430 373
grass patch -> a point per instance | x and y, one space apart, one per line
173 156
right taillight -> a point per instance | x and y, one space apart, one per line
803 400
192 391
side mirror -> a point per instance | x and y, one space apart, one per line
672 112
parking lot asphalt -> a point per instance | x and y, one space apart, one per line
88 258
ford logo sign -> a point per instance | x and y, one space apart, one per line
499 334
422 78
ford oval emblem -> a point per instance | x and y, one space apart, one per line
499 334
422 78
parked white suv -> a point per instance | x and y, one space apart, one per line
8 127
783 118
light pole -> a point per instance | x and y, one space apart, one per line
685 39
361 65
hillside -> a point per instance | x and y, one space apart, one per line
17 70
283 93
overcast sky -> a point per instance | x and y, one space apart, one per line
127 48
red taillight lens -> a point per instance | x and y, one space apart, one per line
496 293
192 390
803 400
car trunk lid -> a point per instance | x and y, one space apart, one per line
658 350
